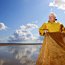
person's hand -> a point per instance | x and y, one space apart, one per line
45 31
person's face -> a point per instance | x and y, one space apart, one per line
51 18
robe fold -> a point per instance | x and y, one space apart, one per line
52 51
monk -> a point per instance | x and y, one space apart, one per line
52 51
52 25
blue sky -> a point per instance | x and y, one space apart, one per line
15 13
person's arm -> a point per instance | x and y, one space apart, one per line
42 29
62 28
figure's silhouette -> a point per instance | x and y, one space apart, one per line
52 51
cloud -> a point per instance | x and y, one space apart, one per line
24 33
51 4
3 26
29 26
60 4
40 39
21 55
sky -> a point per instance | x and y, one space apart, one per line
21 19
19 22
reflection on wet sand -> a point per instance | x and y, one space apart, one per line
19 55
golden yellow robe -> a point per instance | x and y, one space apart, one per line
52 51
51 27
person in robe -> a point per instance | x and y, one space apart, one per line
52 52
52 25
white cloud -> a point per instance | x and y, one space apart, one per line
24 33
28 26
60 4
21 55
40 39
51 4
2 26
